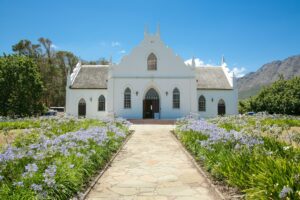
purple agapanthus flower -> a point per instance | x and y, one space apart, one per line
36 187
49 175
31 168
20 184
285 191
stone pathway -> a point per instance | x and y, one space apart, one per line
152 165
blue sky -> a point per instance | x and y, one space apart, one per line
248 33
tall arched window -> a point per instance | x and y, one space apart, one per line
152 62
127 98
101 103
221 107
176 98
81 108
202 103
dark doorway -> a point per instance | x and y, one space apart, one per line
221 107
81 108
151 104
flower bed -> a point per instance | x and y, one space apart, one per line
56 164
260 166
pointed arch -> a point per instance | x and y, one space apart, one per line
221 107
81 108
176 98
151 94
127 98
202 103
101 103
152 62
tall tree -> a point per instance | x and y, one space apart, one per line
52 66
25 47
66 61
21 87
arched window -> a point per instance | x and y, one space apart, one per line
176 98
152 62
81 108
202 103
127 98
221 107
101 103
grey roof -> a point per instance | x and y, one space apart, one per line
95 77
212 78
91 77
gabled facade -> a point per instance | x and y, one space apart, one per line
151 82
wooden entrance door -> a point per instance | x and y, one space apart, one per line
81 108
221 107
150 107
151 104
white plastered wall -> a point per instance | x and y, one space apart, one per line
164 88
91 99
212 98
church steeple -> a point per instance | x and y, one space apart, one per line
223 61
158 30
193 62
146 31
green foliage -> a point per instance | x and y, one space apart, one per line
282 97
261 172
19 124
20 87
73 169
53 66
281 122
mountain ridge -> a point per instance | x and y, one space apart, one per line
251 83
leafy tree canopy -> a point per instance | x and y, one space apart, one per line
282 97
21 87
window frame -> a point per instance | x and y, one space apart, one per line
101 103
127 98
152 62
176 98
202 104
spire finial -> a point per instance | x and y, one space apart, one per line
146 30
223 60
193 61
110 60
158 30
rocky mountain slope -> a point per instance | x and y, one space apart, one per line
251 83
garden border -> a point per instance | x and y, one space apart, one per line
95 180
199 169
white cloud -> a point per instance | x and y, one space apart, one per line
238 71
115 44
198 63
122 51
53 46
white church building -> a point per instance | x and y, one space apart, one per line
151 82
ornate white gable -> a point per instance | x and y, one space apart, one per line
169 65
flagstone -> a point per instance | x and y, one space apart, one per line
152 165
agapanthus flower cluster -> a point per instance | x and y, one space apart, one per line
30 169
284 192
216 134
38 169
36 187
62 144
49 175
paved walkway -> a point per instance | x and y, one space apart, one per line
152 165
